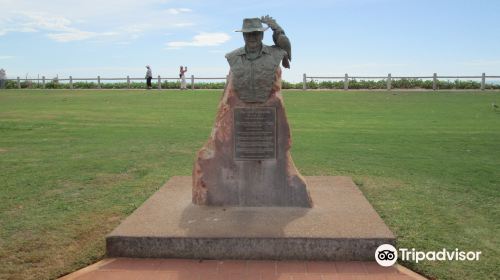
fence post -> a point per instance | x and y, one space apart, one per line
43 81
192 81
483 81
346 82
70 82
389 81
128 82
18 83
99 82
434 82
159 82
304 82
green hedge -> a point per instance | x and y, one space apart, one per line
311 84
397 84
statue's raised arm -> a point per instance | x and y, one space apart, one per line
279 38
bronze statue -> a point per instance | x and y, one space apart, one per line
253 66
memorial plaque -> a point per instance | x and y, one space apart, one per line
255 133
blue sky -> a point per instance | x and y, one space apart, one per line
115 38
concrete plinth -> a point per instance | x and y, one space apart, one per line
342 225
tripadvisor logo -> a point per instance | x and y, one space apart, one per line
387 255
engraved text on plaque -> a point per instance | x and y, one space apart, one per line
255 133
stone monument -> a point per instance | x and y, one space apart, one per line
245 198
247 161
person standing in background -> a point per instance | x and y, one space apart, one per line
149 76
182 75
2 78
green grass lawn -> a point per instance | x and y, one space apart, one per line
73 164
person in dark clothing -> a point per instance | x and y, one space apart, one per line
149 76
2 78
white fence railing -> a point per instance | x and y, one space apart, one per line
389 79
43 80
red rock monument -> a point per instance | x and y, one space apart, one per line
246 161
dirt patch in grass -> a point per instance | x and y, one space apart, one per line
113 219
3 150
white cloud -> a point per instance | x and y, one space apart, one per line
6 57
38 20
176 11
4 30
28 21
184 24
58 28
63 20
77 35
137 28
201 40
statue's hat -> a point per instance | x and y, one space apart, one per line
252 25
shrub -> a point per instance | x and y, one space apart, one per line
311 84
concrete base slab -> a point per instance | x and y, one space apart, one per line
342 226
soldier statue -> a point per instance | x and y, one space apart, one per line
253 66
246 160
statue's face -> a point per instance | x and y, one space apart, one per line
253 40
